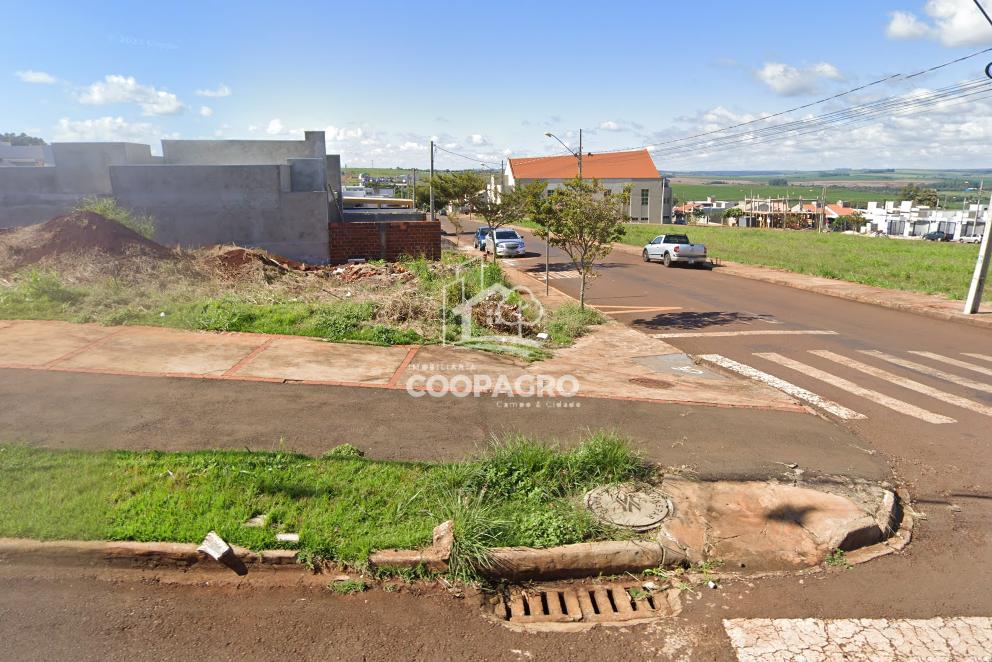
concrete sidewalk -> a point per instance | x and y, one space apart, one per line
611 362
911 302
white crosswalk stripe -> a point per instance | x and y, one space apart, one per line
927 370
910 384
955 362
784 386
849 386
984 357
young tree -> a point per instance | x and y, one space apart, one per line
582 220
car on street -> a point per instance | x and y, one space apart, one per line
479 241
672 249
971 239
936 235
504 243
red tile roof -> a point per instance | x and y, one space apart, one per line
612 165
842 211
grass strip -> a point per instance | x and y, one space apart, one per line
520 492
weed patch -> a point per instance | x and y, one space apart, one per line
342 505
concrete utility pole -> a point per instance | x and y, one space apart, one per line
580 153
432 182
974 300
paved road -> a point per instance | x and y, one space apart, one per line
82 614
929 413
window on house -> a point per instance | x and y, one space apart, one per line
645 196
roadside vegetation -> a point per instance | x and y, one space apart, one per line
98 265
343 506
919 266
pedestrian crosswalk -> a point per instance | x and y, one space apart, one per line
557 275
861 381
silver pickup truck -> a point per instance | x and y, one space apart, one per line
674 249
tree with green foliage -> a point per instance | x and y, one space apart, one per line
584 220
926 197
849 222
733 212
510 206
778 181
20 139
458 189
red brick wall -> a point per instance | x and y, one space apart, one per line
386 240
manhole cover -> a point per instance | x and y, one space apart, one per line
638 508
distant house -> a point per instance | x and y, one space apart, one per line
650 194
25 155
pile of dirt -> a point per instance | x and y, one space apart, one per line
391 272
495 313
76 236
234 261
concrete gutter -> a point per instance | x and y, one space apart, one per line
611 557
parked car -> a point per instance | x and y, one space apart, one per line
674 249
505 243
972 239
479 242
936 235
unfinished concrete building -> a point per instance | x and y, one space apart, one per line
280 195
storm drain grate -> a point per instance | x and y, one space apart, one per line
597 604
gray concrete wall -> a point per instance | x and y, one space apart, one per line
30 195
243 152
83 168
202 205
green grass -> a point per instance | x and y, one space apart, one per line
569 321
521 492
919 266
110 208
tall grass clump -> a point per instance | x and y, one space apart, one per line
111 209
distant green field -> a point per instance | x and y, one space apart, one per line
918 266
859 197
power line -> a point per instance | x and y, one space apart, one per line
984 13
438 147
810 104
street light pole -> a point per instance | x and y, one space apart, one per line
547 245
432 182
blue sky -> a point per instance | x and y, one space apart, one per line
488 79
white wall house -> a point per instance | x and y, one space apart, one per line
903 219
650 194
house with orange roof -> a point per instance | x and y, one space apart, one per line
650 194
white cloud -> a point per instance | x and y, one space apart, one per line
206 111
275 127
221 91
335 134
942 137
125 89
104 128
609 125
478 139
951 22
39 77
905 25
788 80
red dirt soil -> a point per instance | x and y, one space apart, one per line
77 233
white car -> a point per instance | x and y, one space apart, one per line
672 249
505 243
973 239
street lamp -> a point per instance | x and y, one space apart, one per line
547 247
577 155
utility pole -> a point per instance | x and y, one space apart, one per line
415 187
580 153
432 182
974 300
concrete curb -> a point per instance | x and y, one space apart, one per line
132 554
773 276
